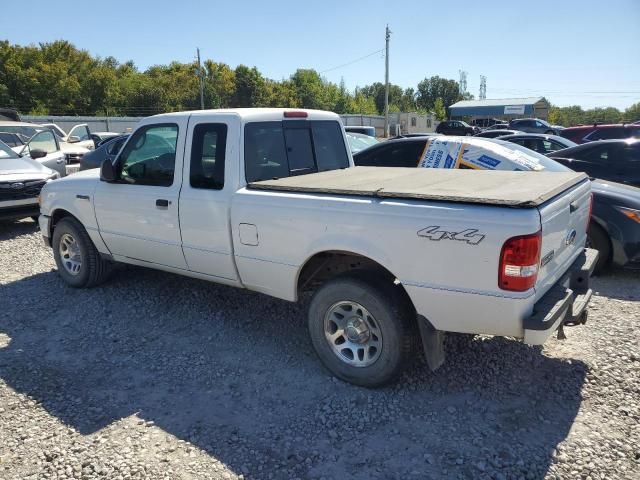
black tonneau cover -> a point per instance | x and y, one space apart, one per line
512 189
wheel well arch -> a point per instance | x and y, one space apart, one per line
325 265
58 215
602 226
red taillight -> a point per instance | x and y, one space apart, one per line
519 262
295 114
590 211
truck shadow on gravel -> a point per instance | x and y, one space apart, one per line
234 373
10 230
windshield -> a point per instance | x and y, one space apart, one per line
25 132
546 162
6 152
360 142
464 123
11 139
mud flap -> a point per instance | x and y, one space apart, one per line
432 343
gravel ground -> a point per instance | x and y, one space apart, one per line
156 376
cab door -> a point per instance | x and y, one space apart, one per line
81 136
207 187
54 158
138 214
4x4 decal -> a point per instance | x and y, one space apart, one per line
470 235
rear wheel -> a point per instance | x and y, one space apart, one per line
598 239
361 329
79 263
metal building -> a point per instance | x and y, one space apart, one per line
501 108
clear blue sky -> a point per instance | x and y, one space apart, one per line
584 52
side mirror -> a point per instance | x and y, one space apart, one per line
108 172
37 153
73 139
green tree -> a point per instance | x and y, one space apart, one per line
435 87
632 114
439 109
250 88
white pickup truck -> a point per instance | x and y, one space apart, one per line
269 200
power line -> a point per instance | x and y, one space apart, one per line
353 61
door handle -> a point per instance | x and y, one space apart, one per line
162 203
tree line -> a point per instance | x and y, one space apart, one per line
59 79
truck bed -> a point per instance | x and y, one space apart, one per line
512 189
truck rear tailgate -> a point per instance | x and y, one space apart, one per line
564 221
504 188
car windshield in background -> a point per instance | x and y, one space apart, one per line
360 141
546 162
6 152
11 139
25 132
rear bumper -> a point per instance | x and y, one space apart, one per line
565 303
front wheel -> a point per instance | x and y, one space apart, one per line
79 263
361 329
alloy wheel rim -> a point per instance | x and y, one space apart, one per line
70 254
353 333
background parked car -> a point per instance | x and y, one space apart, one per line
456 127
496 133
101 137
360 141
9 114
590 133
485 122
539 142
533 125
498 126
613 160
45 148
365 130
79 135
615 224
21 179
109 149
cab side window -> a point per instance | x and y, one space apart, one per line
207 156
150 155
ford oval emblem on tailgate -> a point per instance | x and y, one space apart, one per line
571 237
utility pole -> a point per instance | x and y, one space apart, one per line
386 83
201 76
463 82
483 88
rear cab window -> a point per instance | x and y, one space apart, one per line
292 147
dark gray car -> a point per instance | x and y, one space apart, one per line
532 125
109 149
539 142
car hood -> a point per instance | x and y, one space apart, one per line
72 148
21 168
625 194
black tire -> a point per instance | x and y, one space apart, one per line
597 238
393 317
93 270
